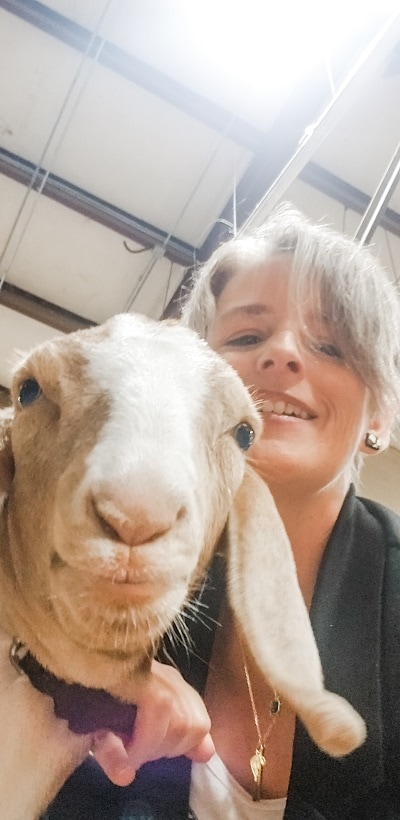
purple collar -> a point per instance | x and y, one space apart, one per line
86 710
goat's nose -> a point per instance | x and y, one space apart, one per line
133 524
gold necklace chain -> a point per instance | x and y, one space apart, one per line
258 759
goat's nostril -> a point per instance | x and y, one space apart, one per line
133 526
109 531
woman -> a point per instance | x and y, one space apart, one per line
312 326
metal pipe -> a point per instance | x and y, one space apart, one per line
379 200
367 65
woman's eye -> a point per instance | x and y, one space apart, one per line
29 391
246 340
329 349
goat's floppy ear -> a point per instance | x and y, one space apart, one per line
264 590
6 456
271 614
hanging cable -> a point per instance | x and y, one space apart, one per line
391 257
134 250
345 209
159 250
167 288
234 204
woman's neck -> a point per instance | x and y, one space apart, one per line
309 519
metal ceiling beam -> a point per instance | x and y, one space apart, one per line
136 71
351 198
85 203
373 214
42 311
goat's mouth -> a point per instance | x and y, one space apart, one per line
120 584
129 589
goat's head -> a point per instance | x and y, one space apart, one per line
118 471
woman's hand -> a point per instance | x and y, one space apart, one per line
171 720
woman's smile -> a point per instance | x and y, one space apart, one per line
285 406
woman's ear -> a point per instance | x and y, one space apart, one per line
377 435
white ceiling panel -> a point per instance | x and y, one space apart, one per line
11 200
35 75
360 149
76 263
114 139
18 333
146 157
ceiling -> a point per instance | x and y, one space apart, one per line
128 152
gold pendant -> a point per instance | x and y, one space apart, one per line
257 763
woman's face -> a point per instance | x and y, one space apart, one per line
314 406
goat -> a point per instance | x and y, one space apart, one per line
120 464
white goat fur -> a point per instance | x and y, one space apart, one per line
125 469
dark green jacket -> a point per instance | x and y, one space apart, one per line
356 619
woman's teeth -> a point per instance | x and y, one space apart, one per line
281 408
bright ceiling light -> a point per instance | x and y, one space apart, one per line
258 42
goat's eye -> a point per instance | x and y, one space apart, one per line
29 391
244 435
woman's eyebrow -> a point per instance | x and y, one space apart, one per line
253 309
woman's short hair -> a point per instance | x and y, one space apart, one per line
349 288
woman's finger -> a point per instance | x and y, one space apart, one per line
111 754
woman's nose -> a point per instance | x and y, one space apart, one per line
281 352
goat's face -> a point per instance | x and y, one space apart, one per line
125 466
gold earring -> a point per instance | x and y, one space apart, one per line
372 441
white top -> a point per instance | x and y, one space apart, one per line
216 795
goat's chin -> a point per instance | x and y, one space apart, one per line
118 619
102 646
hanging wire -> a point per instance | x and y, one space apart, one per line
44 157
210 225
345 209
159 250
391 257
234 205
133 250
329 74
167 288
232 229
